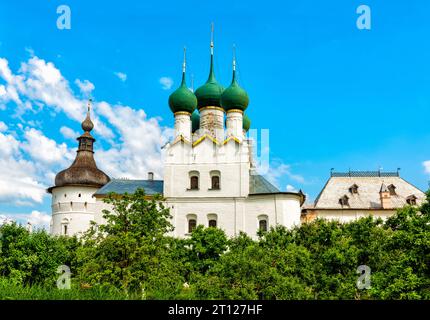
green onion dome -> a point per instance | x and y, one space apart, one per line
246 123
195 121
210 93
234 97
182 99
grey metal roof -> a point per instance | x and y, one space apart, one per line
122 186
365 174
368 196
258 184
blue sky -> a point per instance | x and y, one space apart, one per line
332 96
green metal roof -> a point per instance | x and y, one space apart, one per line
122 186
258 185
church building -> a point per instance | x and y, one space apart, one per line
209 173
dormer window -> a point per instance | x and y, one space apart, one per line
392 189
353 189
344 201
411 200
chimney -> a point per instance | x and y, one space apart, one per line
150 176
385 196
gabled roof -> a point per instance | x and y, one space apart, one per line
122 186
368 196
258 185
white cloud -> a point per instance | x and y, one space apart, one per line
43 149
3 126
122 76
291 188
85 86
69 133
279 171
166 83
426 165
36 218
30 159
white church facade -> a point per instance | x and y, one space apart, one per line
209 173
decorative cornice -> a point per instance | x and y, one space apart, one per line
203 137
180 138
183 113
232 138
235 110
212 108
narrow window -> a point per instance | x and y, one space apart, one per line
263 225
194 183
65 229
79 195
192 223
215 182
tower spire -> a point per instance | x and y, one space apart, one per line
234 63
211 71
184 66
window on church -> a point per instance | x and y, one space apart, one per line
194 183
262 225
192 224
215 182
212 223
65 229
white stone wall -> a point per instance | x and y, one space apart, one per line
345 216
74 206
234 124
183 125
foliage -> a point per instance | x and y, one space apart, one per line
133 256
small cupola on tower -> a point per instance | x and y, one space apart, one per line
234 100
183 102
209 102
83 170
246 123
385 197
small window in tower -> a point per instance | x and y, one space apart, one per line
65 195
353 189
411 200
392 189
79 195
194 183
344 201
192 223
65 229
262 225
85 205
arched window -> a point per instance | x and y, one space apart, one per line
192 222
65 226
194 180
215 180
212 220
194 183
263 223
